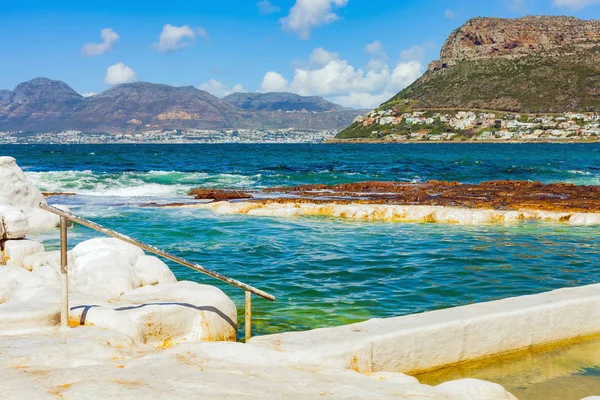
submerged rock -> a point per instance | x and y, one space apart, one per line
218 194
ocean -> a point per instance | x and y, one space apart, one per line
327 271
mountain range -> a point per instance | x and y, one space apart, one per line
280 101
43 104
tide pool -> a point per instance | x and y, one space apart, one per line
326 271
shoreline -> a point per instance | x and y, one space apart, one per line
337 141
355 141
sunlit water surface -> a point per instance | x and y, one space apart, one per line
569 372
324 271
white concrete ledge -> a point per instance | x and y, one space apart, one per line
421 342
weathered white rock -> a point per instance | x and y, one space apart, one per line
113 285
106 274
165 314
87 362
111 267
584 219
17 191
91 246
25 303
396 213
14 223
15 251
473 389
153 271
41 259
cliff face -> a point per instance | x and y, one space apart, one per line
481 38
530 64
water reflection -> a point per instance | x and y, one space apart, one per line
567 372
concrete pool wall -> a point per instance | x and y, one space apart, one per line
422 342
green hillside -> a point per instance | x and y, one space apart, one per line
537 84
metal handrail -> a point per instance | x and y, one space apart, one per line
67 216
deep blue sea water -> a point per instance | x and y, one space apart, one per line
326 271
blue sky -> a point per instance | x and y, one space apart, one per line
355 52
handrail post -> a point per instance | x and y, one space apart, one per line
64 275
154 250
248 315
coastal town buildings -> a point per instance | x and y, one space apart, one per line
171 136
392 125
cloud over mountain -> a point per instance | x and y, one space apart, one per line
119 73
327 74
220 89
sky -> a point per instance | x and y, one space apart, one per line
357 53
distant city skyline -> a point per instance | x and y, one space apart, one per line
356 53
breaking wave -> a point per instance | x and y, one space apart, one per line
135 184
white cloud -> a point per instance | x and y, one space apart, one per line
418 52
173 38
341 82
306 14
265 7
88 94
574 4
119 73
320 57
274 82
374 49
109 38
220 89
449 14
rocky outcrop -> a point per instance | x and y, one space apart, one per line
481 38
536 64
218 194
17 192
112 285
495 195
91 363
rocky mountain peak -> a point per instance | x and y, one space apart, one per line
535 64
44 90
483 38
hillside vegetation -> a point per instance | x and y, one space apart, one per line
538 64
535 83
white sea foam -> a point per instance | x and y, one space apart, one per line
578 172
135 184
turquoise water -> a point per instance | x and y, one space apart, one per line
325 271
